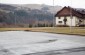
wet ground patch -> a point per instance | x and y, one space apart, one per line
55 52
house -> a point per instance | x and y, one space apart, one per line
70 17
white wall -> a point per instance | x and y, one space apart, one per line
71 22
80 23
68 21
57 21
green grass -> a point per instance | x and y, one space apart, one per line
63 30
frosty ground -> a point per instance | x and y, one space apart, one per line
38 43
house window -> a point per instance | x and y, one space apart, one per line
59 17
80 20
59 21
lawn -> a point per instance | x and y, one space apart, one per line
60 30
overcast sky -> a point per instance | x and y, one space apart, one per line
72 3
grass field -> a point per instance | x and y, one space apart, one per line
61 30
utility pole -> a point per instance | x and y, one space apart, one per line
53 14
14 18
71 17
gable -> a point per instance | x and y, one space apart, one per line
64 12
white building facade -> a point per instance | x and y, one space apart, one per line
74 20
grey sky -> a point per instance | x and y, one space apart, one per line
72 3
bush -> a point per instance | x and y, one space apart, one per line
62 26
82 25
30 25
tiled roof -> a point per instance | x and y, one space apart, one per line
79 12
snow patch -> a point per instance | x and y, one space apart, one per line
20 42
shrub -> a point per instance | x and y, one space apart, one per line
62 26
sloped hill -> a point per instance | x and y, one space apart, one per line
29 13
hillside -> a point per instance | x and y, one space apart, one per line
32 14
